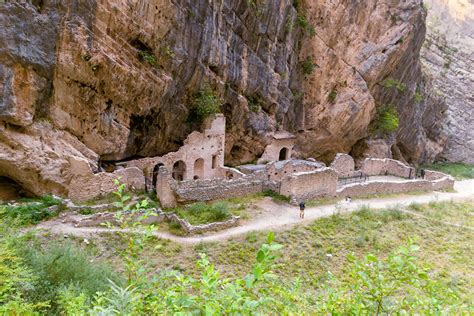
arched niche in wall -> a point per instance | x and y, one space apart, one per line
199 169
179 170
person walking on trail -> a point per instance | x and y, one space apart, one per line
302 207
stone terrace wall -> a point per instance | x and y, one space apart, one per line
380 186
89 186
377 187
375 167
309 185
214 189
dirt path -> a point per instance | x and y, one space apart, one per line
277 216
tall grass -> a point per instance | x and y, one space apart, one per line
59 266
460 171
203 213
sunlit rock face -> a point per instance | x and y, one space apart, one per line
85 81
448 59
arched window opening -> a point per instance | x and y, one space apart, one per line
283 154
199 168
179 170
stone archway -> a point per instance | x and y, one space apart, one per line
179 170
199 168
155 174
283 154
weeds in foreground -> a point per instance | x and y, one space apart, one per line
32 211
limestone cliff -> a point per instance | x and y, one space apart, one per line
448 59
98 81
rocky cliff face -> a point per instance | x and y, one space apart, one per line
110 80
448 59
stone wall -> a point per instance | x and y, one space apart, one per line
214 189
378 187
276 171
309 185
99 219
375 167
88 185
387 186
344 165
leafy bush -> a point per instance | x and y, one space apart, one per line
390 83
396 285
386 121
203 213
332 95
255 102
32 211
148 57
308 66
304 24
205 102
275 196
418 96
58 266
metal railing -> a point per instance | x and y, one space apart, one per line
360 178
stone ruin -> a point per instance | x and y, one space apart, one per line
196 172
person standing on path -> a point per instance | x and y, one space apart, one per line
302 207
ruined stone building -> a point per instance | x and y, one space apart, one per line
196 172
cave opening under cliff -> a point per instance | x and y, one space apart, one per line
12 190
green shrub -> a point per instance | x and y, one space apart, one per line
148 57
418 96
308 66
305 25
276 196
395 285
391 83
386 120
203 213
32 211
205 102
255 102
58 266
332 95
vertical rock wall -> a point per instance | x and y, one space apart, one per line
92 80
448 60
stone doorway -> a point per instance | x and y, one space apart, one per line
283 154
179 170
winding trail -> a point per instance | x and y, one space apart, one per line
277 216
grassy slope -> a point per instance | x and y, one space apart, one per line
460 171
322 246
